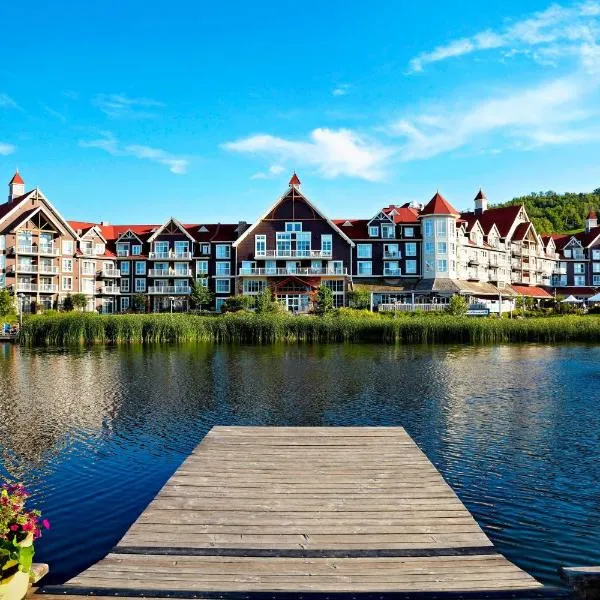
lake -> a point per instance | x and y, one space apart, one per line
515 430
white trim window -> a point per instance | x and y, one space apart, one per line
579 268
364 267
222 286
293 226
67 265
410 249
125 301
596 279
223 251
125 285
182 247
391 268
124 267
374 231
391 251
219 304
428 228
442 248
253 286
364 250
260 245
223 269
388 232
409 232
136 249
67 283
122 248
204 248
442 265
140 267
326 244
596 267
595 254
88 267
441 227
201 267
410 266
429 248
140 284
579 280
67 246
335 267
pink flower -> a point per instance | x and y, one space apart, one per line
46 523
14 528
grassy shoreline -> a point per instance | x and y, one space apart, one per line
86 328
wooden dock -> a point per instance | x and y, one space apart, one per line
324 513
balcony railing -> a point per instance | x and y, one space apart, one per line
110 289
170 255
392 255
399 307
110 273
35 287
48 270
43 250
168 290
169 273
392 273
294 254
299 271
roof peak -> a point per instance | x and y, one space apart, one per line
438 205
16 179
480 195
295 181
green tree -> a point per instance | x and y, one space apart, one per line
7 303
324 300
67 304
237 303
360 299
457 306
139 303
200 296
80 301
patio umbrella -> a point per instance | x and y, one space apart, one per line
594 298
571 300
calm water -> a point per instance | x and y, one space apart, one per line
515 430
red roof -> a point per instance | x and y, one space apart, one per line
521 231
438 205
503 217
402 214
356 230
294 180
592 215
17 179
586 237
8 206
576 291
531 291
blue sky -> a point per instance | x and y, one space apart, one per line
135 111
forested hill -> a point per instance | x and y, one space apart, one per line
558 213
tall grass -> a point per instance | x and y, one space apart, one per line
85 328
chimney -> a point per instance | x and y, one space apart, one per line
242 226
104 223
591 221
16 187
480 202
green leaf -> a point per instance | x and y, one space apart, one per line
26 558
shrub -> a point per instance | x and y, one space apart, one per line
80 301
359 299
7 303
139 303
200 296
457 306
68 305
236 303
324 300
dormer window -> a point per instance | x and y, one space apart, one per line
136 249
409 232
387 232
373 231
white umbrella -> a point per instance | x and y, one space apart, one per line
571 300
595 298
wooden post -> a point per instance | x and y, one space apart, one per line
585 581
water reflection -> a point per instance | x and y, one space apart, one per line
95 433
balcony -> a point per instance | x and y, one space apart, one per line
516 263
110 290
516 249
392 272
35 250
288 272
48 270
169 273
295 254
392 255
110 273
44 288
473 260
169 290
170 255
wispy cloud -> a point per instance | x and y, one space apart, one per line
6 149
333 153
54 113
341 90
271 173
109 143
550 31
7 102
119 106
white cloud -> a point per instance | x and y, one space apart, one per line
54 113
6 149
7 102
110 144
272 172
333 153
546 29
550 113
121 106
341 90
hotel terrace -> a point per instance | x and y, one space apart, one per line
406 257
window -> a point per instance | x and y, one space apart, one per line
140 285
204 248
429 266
219 304
88 286
223 268
124 285
125 303
373 231
316 265
202 281
124 267
67 265
270 267
595 254
364 250
429 247
136 249
182 248
283 244
99 249
222 286
428 228
442 265
140 267
291 266
303 243
67 247
596 279
442 247
292 227
88 267
410 249
67 283
223 251
390 251
409 232
364 267
441 226
181 269
122 248
86 247
579 268
596 267
388 232
260 245
253 286
201 267
335 267
335 285
326 244
579 279
391 268
410 266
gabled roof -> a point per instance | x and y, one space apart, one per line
521 231
291 189
17 179
503 217
402 214
531 291
8 207
587 238
294 180
480 195
162 227
356 229
438 205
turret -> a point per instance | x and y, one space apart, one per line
294 181
16 187
591 221
480 202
